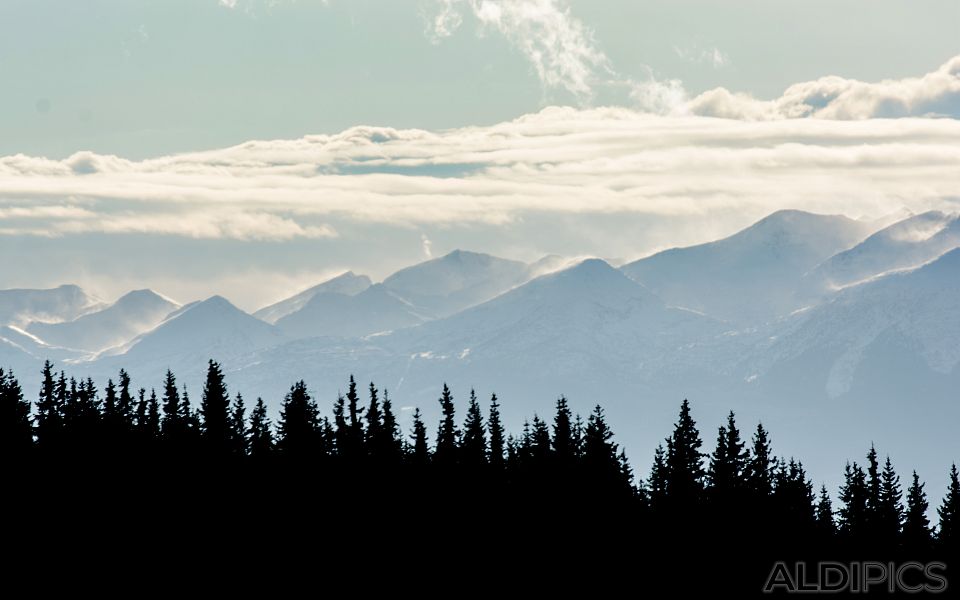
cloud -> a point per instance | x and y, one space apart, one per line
712 56
934 94
561 161
559 46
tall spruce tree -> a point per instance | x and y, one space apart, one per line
564 451
153 415
49 421
890 515
215 410
239 442
497 439
873 491
445 452
352 446
685 472
600 452
656 487
419 450
473 449
172 424
125 406
916 526
390 443
948 534
259 434
826 526
373 435
298 426
854 493
759 475
16 433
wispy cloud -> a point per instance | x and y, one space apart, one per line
561 49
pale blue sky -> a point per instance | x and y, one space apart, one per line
143 78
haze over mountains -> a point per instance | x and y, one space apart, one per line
799 319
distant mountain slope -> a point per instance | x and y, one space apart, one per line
901 328
904 244
131 315
347 284
752 275
448 284
376 309
63 303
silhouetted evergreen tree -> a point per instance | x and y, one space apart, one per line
140 419
238 433
351 444
259 435
564 450
497 441
948 534
16 433
445 452
600 453
473 448
390 444
419 450
125 407
873 492
215 411
853 494
172 424
298 426
373 437
153 416
656 488
826 526
890 514
539 451
49 421
760 465
916 526
728 463
684 460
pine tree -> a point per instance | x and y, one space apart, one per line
656 487
729 461
374 441
760 465
239 442
684 460
825 523
890 515
16 433
297 429
873 491
473 449
353 448
445 453
563 444
49 420
153 416
141 413
948 535
391 445
215 410
259 434
916 527
124 403
497 441
600 452
854 493
540 443
171 426
419 452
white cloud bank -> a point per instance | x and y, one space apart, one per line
760 157
934 94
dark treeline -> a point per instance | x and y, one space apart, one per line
130 465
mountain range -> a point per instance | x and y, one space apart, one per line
798 320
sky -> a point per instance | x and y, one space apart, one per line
254 147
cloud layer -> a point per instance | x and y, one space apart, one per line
934 94
560 160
